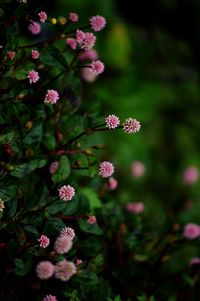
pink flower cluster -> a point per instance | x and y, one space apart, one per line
66 192
191 231
44 241
43 16
71 43
191 175
91 219
137 169
49 298
73 17
64 270
112 121
131 126
11 54
52 96
68 232
34 28
136 208
86 40
33 76
45 270
97 23
35 54
88 55
97 67
53 167
112 183
106 169
63 244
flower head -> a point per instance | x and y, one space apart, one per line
68 232
137 207
80 36
78 261
44 241
137 169
97 67
11 54
106 169
191 231
34 28
35 54
194 261
66 192
88 55
49 298
191 175
63 244
73 17
131 126
43 16
51 97
53 167
71 43
112 121
64 270
45 270
97 23
91 219
33 76
86 40
88 75
112 183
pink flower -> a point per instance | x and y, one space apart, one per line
88 55
71 43
106 169
88 75
53 167
131 126
78 261
11 54
35 54
191 231
44 241
64 270
86 40
51 97
63 244
43 16
45 270
49 298
112 183
34 28
97 23
91 219
112 121
97 67
68 232
191 175
73 17
135 207
80 36
33 76
66 193
194 261
137 169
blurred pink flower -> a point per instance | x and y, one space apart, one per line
43 16
11 54
88 75
68 232
88 42
66 193
191 231
71 43
97 23
80 36
131 126
78 261
112 183
52 96
73 17
44 241
106 169
137 169
45 270
64 270
88 55
34 28
35 54
53 167
33 76
91 219
191 175
97 67
137 207
49 298
63 244
112 121
194 261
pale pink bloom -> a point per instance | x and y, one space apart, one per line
11 54
191 231
78 261
45 270
112 121
191 175
112 183
137 169
131 126
91 219
88 75
43 16
86 40
35 54
34 28
88 55
80 36
66 192
97 67
73 17
33 76
53 167
44 241
106 169
49 298
137 207
51 97
194 261
63 244
71 43
68 232
97 23
64 270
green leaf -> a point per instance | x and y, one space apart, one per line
21 74
8 137
96 264
22 268
32 230
8 189
88 228
57 207
93 198
24 169
63 171
34 136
